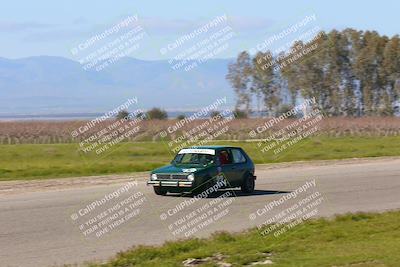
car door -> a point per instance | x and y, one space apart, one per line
226 166
239 166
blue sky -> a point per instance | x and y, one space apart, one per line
45 27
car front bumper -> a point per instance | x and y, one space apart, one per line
170 183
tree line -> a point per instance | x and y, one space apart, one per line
161 114
349 72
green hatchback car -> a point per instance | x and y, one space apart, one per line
196 168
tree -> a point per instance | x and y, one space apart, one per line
366 70
215 113
306 74
390 73
349 72
181 117
334 60
285 109
239 75
290 74
123 115
240 114
263 81
141 115
157 114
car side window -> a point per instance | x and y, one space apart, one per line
238 156
224 157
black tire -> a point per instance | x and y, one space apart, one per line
160 191
248 184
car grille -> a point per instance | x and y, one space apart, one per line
172 176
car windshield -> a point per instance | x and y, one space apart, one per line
194 158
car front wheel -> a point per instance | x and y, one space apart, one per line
248 184
159 191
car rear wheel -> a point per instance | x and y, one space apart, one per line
160 191
248 184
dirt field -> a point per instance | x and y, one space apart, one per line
47 132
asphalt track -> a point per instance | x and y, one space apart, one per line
52 225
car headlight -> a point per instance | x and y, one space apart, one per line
153 176
191 177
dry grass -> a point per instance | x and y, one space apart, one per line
47 132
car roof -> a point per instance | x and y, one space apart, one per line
214 147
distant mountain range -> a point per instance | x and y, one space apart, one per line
56 85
